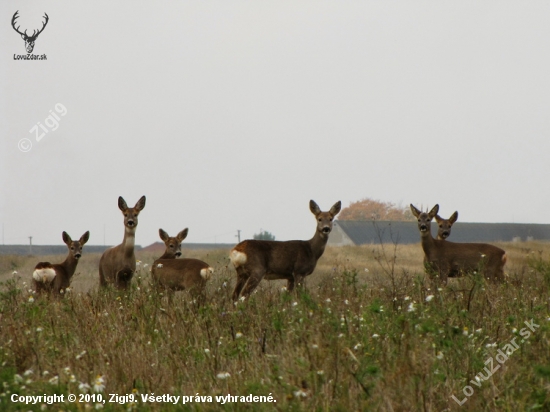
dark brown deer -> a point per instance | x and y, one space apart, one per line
178 274
56 277
29 40
293 260
444 225
448 259
118 264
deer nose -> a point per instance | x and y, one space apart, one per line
130 223
423 228
178 253
77 255
326 229
444 235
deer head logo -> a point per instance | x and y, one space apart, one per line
29 40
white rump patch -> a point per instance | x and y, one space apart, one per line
206 273
237 258
45 275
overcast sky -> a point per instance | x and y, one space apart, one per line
234 114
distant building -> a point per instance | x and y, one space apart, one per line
160 247
354 232
41 250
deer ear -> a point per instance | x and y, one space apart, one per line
163 235
335 209
140 204
434 211
66 238
182 235
122 204
314 207
415 211
454 217
84 238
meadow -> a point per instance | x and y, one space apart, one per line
370 331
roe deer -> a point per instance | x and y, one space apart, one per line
118 264
293 260
56 277
444 225
450 259
179 274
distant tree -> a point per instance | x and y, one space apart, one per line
264 235
369 209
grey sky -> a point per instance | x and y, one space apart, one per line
233 114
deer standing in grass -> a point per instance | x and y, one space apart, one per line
56 277
118 264
444 225
293 260
179 274
450 259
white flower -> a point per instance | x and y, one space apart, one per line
479 330
39 329
439 355
356 347
99 384
300 393
28 372
31 299
54 380
314 346
514 330
14 272
207 351
238 335
328 300
67 370
375 335
429 298
407 298
366 270
138 263
465 331
294 303
145 266
341 335
80 355
223 375
411 307
346 302
320 372
17 378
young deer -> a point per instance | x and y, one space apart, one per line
444 225
56 277
118 264
293 260
179 274
450 259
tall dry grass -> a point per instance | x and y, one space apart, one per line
369 332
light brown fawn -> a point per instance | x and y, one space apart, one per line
450 259
178 274
118 264
293 260
56 277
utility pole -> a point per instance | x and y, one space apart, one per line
30 241
238 235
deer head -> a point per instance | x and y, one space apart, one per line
75 247
131 213
444 230
29 40
424 218
173 244
324 219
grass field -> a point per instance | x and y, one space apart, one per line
369 332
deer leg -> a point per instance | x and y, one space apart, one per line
290 284
253 281
242 277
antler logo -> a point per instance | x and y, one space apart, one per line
29 40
